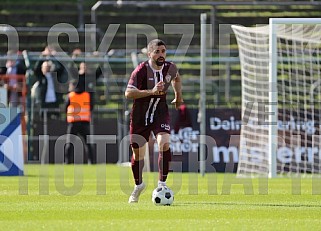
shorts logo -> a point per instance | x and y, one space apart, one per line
166 127
168 78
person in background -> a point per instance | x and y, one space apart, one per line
88 76
73 66
79 105
147 86
183 118
14 66
82 71
49 73
48 96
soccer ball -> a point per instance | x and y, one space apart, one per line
162 196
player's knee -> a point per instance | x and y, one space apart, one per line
163 147
138 153
163 142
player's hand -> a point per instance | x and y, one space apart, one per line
177 103
158 88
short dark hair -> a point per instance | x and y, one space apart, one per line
154 43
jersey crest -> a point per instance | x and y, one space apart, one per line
168 78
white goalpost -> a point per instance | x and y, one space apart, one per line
281 97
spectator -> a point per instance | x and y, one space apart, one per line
49 73
14 66
76 53
48 96
88 76
87 72
56 70
73 66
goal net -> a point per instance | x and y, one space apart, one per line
281 97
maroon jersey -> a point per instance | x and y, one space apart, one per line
150 113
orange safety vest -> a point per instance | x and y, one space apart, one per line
79 107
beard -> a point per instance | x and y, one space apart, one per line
160 61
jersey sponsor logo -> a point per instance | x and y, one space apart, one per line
168 78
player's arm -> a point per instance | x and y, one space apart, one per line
177 86
134 93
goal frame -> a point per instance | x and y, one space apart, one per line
273 92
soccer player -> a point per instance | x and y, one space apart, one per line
147 86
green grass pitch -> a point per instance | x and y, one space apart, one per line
86 197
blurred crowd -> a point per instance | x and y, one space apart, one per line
46 81
41 89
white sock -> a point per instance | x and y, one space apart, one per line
161 182
139 185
